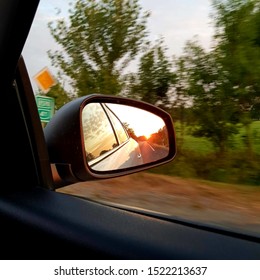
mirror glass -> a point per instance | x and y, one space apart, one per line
120 136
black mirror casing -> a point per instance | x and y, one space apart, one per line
64 138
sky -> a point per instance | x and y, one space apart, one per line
174 20
141 121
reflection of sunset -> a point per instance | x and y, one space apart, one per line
119 135
96 126
147 136
142 122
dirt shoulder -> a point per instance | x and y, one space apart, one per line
216 203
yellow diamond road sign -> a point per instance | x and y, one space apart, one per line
45 80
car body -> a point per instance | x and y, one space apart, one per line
39 223
126 155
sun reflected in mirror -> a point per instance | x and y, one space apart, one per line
144 123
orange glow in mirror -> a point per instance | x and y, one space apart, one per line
144 123
120 136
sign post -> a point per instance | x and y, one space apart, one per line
45 106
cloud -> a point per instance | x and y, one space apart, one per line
179 21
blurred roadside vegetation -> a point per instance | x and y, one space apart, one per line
198 158
213 95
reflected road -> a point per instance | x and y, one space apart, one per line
152 152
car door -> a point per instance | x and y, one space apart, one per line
40 223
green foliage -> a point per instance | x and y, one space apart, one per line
197 159
154 77
99 41
239 141
238 37
60 96
215 95
212 101
201 145
224 83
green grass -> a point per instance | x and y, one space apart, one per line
197 158
238 141
202 145
198 145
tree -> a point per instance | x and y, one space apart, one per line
99 41
224 83
238 38
179 98
130 131
60 95
213 104
154 77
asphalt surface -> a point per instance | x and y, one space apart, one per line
151 152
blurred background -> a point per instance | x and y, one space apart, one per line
202 67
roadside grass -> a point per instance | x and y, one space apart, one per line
187 141
197 186
239 139
197 158
203 146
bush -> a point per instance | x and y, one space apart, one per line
233 167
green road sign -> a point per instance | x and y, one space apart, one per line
45 106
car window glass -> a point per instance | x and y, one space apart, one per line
193 62
118 126
99 136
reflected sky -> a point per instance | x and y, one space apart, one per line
142 122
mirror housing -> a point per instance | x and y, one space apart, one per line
66 143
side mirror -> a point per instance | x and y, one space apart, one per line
98 137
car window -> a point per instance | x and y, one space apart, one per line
199 61
118 126
97 126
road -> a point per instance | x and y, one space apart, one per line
152 152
